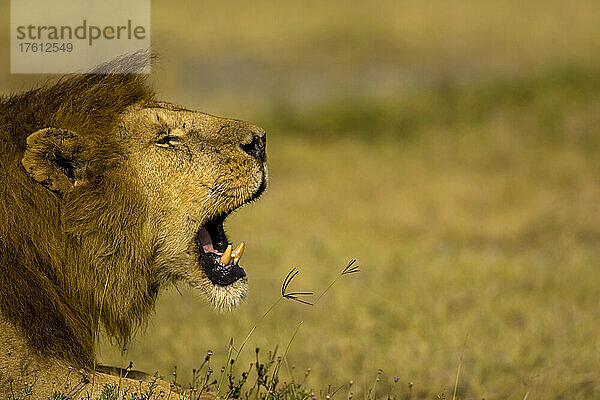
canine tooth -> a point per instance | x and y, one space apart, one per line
226 257
237 253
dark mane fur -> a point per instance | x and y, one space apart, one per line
86 103
47 289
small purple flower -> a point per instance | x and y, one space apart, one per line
70 369
396 379
313 398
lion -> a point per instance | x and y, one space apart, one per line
109 195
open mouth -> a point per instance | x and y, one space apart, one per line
219 260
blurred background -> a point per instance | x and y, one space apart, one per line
450 146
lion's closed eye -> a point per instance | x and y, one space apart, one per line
166 140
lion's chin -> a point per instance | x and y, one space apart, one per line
224 298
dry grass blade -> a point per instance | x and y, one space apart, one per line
351 268
288 279
348 269
293 295
460 361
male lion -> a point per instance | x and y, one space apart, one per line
107 196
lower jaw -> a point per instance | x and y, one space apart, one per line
220 274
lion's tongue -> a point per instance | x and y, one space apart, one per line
206 241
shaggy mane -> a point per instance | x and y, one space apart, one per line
50 295
87 103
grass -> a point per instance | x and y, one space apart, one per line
267 384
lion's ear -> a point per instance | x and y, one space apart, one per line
53 158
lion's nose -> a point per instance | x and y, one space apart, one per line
256 147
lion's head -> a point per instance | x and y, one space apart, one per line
194 170
109 195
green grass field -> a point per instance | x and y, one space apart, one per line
451 147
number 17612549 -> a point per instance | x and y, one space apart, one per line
46 47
